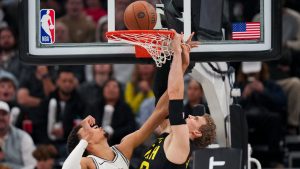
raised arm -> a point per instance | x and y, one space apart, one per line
133 140
179 135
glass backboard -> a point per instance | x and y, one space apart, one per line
73 34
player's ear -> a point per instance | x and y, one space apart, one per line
197 133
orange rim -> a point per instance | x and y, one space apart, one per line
139 51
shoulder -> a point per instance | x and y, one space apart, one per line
87 163
292 12
120 155
22 135
129 85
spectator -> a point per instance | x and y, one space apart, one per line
286 68
195 96
101 30
61 110
123 72
8 89
94 9
17 146
291 29
45 156
81 28
11 16
263 102
34 87
140 86
146 109
57 5
2 21
91 92
9 58
61 33
121 121
121 5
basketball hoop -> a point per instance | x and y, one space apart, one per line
148 43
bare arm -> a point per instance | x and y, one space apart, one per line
179 136
42 74
133 140
24 98
48 85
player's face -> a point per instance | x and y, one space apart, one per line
195 122
98 133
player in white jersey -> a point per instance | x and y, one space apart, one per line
91 148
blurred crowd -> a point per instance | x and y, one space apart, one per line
39 105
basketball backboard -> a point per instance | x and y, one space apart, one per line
224 33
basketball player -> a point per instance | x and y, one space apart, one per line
172 148
94 140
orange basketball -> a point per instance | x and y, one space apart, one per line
140 15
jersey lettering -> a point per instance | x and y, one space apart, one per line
150 155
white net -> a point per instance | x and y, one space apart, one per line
157 44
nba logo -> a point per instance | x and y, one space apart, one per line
47 26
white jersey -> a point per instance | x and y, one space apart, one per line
119 162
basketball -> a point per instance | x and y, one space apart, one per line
140 15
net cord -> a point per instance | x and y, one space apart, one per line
157 45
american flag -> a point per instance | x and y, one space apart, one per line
246 31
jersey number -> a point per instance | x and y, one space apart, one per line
144 165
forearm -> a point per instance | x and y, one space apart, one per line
74 159
175 80
48 86
27 100
293 44
185 65
156 118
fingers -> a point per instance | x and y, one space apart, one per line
190 38
193 44
185 46
88 121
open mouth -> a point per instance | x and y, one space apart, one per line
95 126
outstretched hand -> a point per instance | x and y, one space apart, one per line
177 41
186 48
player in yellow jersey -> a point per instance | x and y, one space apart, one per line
172 148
